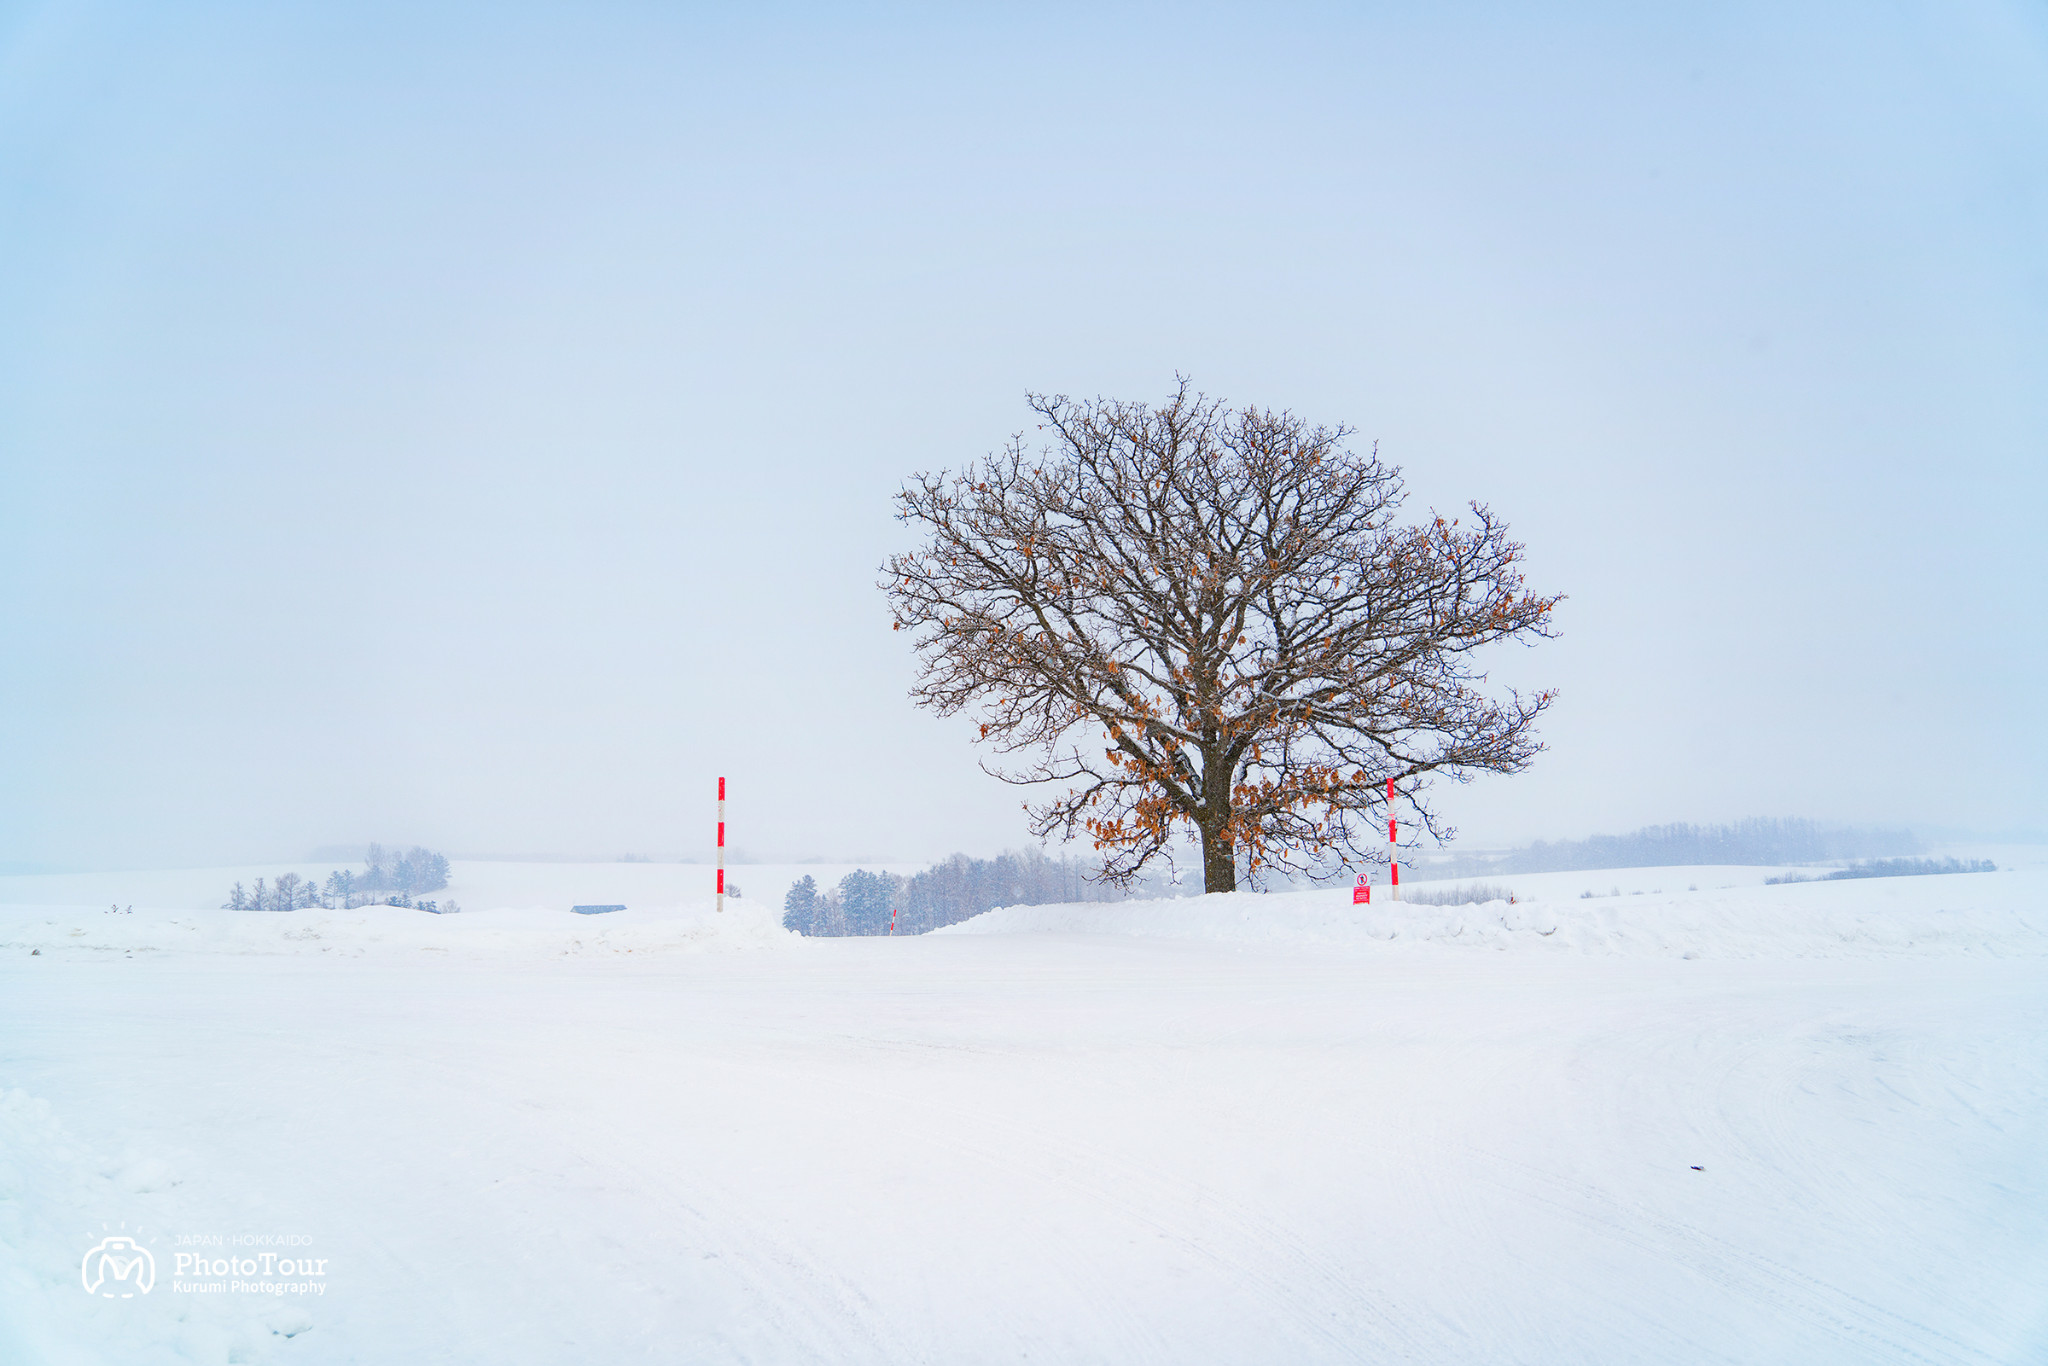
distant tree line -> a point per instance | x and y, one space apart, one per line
943 894
1893 867
1760 840
403 872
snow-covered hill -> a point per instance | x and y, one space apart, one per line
1233 1130
1978 913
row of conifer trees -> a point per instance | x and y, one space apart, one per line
394 877
943 894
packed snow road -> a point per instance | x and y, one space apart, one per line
1030 1146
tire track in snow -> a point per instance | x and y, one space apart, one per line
820 1313
1288 1269
1741 1271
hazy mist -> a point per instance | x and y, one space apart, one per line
477 425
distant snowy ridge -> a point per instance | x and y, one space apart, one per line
2002 915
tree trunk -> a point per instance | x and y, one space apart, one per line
1219 863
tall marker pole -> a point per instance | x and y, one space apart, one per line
721 846
1393 851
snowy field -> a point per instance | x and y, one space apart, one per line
1710 1122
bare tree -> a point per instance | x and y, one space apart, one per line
1204 615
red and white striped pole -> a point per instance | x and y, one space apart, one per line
892 920
721 846
1393 852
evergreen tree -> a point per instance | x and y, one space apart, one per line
800 906
868 899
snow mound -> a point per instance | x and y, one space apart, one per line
526 933
1995 914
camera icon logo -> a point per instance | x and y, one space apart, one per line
118 1267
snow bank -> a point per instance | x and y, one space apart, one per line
391 930
511 909
1997 914
1669 912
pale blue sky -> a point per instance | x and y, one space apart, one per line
476 425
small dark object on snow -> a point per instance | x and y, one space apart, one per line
595 910
35 953
1699 1169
